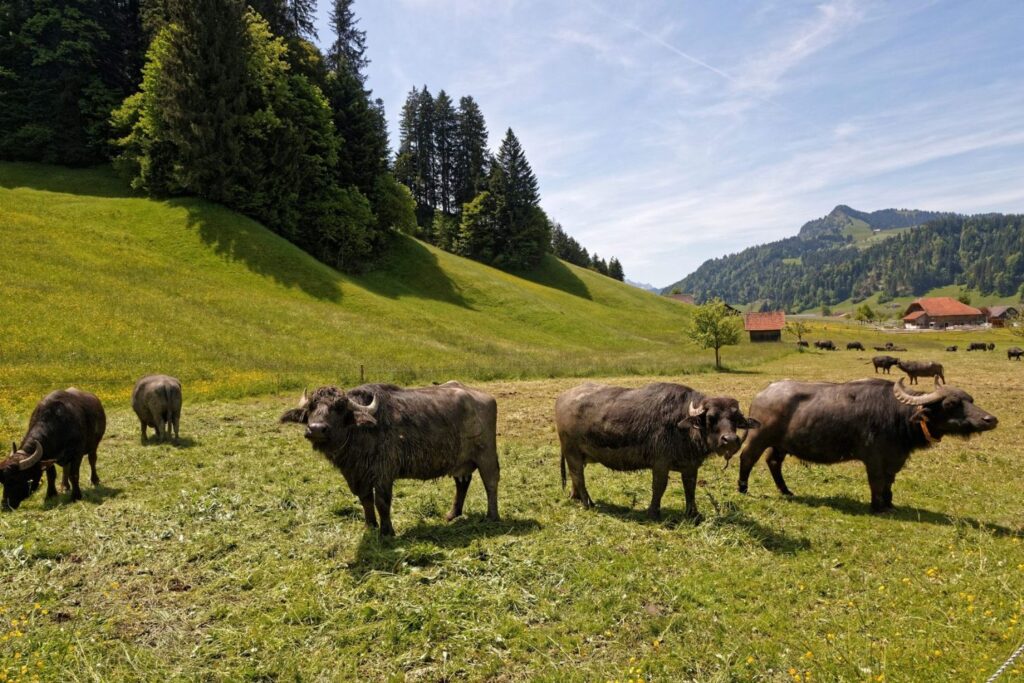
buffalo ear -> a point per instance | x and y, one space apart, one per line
14 448
920 415
299 415
690 422
750 423
364 419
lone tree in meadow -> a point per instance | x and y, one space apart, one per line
712 327
798 328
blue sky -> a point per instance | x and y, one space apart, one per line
668 132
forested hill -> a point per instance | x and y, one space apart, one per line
842 256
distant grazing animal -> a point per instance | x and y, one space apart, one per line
978 346
897 348
870 420
377 433
854 346
825 345
1014 353
803 342
880 348
884 362
64 427
659 427
156 399
951 348
991 346
921 368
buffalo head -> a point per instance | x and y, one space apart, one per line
946 411
329 413
717 420
20 474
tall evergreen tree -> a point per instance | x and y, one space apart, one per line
406 160
348 51
525 230
471 155
615 270
445 146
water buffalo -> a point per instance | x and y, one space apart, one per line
825 345
991 346
803 343
873 421
64 427
884 362
880 348
897 348
156 399
951 348
377 433
921 368
1014 353
854 346
660 427
977 346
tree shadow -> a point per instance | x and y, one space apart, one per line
411 270
100 181
424 544
237 238
554 273
853 506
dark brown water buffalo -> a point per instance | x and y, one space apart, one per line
377 433
156 399
874 421
977 346
660 427
854 346
951 348
991 346
64 427
803 343
1014 353
921 368
825 345
884 362
880 348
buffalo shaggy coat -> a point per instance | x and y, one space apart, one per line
921 368
156 399
64 427
977 346
377 433
854 346
660 427
884 362
1014 353
871 420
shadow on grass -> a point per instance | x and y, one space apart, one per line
100 181
411 270
551 272
424 544
94 495
241 239
853 506
182 443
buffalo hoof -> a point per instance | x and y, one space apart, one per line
387 531
654 515
451 517
786 492
694 517
494 518
742 488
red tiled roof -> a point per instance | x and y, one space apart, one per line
944 305
757 322
914 316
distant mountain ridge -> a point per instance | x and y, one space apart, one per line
854 254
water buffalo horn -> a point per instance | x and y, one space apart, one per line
31 460
305 398
903 397
372 408
694 412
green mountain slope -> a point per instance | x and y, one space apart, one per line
99 287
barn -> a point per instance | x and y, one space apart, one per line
998 316
940 312
764 327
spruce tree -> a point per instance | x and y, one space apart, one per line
615 270
348 51
445 147
406 160
525 231
471 155
425 189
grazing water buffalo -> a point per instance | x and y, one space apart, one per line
377 433
854 346
870 420
64 427
156 399
978 346
884 362
803 343
991 346
880 348
1014 353
921 368
660 427
825 345
951 348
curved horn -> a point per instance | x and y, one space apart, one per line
305 398
372 408
694 412
911 400
31 460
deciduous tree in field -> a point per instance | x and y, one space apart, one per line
798 328
712 327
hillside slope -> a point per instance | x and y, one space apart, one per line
99 287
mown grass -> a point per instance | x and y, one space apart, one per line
242 556
99 287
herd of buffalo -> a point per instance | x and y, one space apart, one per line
377 433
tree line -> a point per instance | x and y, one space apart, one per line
232 101
982 252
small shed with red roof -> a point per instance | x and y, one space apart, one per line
764 326
941 312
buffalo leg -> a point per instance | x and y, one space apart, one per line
690 490
159 427
490 473
144 439
579 492
877 480
382 498
368 514
775 467
65 484
461 487
751 454
175 419
94 478
658 485
74 467
51 478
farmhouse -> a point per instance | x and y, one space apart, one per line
997 316
764 326
682 298
940 312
